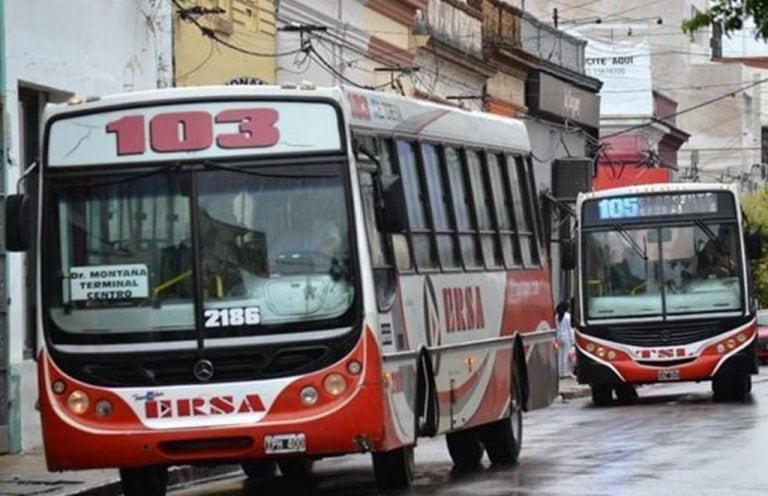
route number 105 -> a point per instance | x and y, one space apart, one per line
194 131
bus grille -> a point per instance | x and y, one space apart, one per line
660 333
244 365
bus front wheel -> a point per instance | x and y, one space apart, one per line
259 469
731 387
393 469
144 481
602 394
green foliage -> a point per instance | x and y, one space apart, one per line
730 15
756 208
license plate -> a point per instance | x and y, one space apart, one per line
669 375
285 443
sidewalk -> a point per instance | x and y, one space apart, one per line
25 474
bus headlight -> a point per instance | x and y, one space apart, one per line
103 408
354 367
58 386
78 402
308 395
334 384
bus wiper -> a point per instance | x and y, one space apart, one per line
631 241
210 164
705 228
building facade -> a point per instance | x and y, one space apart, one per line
105 48
224 42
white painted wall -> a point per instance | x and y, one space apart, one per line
82 47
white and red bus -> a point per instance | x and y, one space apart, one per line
275 275
664 290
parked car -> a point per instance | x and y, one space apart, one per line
762 336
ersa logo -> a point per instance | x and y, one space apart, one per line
200 406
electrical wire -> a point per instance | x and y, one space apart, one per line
200 65
209 33
689 109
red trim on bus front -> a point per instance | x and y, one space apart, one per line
80 442
703 366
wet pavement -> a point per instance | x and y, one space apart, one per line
674 441
25 474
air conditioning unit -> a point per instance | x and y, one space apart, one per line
571 176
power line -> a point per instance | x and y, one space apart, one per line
689 109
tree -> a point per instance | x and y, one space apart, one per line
730 15
756 209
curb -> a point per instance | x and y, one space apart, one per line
570 394
178 477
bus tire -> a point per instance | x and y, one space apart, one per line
393 469
626 394
144 481
602 394
296 467
259 469
735 388
465 449
503 439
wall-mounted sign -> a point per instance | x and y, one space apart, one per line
625 70
545 93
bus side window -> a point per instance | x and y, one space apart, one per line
502 201
422 241
465 224
523 215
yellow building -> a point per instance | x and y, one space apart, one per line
219 42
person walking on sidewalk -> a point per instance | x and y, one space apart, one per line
564 338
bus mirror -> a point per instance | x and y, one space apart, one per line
18 222
754 245
568 255
394 214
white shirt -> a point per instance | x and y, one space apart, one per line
564 331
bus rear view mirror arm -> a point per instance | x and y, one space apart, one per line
18 222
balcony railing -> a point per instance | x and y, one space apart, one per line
456 23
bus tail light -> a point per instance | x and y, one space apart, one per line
334 384
78 402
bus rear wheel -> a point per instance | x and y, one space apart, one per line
144 481
731 387
393 469
503 439
465 449
296 467
602 394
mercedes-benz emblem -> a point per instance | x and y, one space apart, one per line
203 370
664 336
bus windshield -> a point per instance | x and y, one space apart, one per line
654 271
274 249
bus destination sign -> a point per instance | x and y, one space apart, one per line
629 207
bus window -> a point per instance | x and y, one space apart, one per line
440 209
423 246
510 247
482 207
470 252
523 214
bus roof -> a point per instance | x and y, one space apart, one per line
363 109
655 188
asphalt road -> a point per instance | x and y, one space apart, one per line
673 441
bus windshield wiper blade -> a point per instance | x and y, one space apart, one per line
210 164
631 241
700 223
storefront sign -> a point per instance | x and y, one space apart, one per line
554 96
